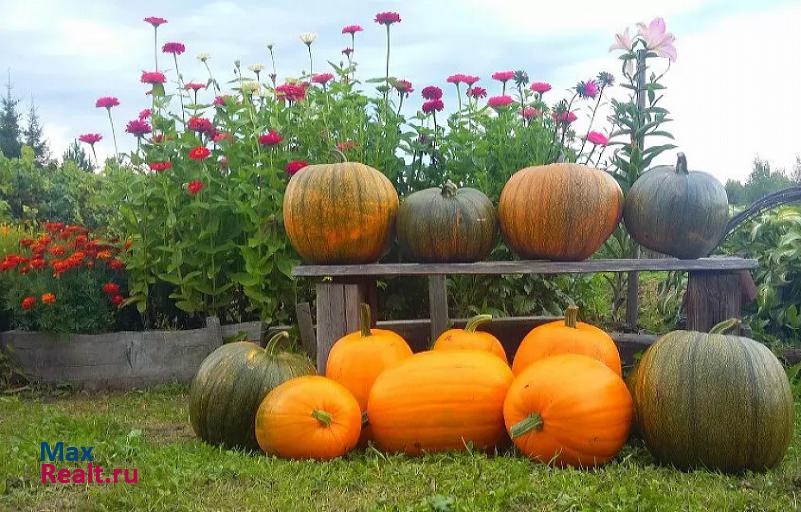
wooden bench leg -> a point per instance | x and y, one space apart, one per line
438 304
712 297
337 315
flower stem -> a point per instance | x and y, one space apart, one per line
311 62
113 135
156 46
386 74
592 118
180 88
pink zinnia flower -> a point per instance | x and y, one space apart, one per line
470 79
433 105
404 87
153 77
160 166
155 21
270 138
431 92
194 86
174 48
138 127
294 166
498 102
199 153
657 38
597 138
456 79
387 18
540 87
564 117
107 102
503 76
530 113
477 92
199 124
220 100
588 89
146 113
194 187
347 51
351 29
90 138
322 78
291 92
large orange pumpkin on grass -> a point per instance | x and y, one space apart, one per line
308 418
340 213
567 336
568 410
470 338
440 400
561 211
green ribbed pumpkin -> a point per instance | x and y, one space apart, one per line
677 212
231 383
713 400
447 224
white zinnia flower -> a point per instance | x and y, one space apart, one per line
308 38
203 57
256 68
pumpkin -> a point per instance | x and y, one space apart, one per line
340 213
308 418
561 211
677 212
569 410
358 358
713 400
447 224
470 338
567 336
440 400
230 385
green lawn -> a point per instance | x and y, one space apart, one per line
150 431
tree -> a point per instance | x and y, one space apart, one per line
75 153
33 136
762 181
796 175
735 192
10 143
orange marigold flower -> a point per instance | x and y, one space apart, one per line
48 298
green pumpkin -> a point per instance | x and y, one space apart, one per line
447 225
713 400
677 212
231 384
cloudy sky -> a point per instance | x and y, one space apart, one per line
733 90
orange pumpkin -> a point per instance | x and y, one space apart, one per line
567 336
440 400
308 418
569 410
340 213
561 211
469 338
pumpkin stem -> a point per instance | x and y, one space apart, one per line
571 316
364 320
532 422
726 326
681 164
272 345
323 417
449 189
477 320
340 154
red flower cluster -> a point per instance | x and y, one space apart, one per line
291 92
160 166
199 153
90 138
477 92
540 87
431 92
351 29
503 76
322 78
194 187
174 48
433 105
387 18
199 124
112 290
294 166
497 102
155 21
138 127
459 78
153 77
194 86
270 138
107 102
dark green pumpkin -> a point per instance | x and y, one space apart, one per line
713 400
447 225
231 383
677 212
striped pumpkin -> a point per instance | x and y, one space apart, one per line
713 400
561 212
340 213
447 224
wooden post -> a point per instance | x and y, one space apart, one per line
438 304
306 328
711 298
337 315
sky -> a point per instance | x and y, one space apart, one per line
732 91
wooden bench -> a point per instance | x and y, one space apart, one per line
715 291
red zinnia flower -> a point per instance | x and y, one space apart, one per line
433 105
270 138
219 137
155 21
351 29
107 102
38 263
138 127
503 76
294 166
346 145
160 166
220 100
404 87
153 77
117 300
116 264
387 18
291 92
28 303
48 298
174 48
194 86
199 153
597 138
540 87
90 138
194 187
564 117
347 51
530 113
431 92
499 101
322 78
111 288
146 113
477 92
199 124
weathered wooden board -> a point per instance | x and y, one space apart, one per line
525 267
438 304
712 297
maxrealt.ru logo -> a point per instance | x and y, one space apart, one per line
90 474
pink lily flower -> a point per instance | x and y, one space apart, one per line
657 38
623 41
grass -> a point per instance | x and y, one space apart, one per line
150 431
